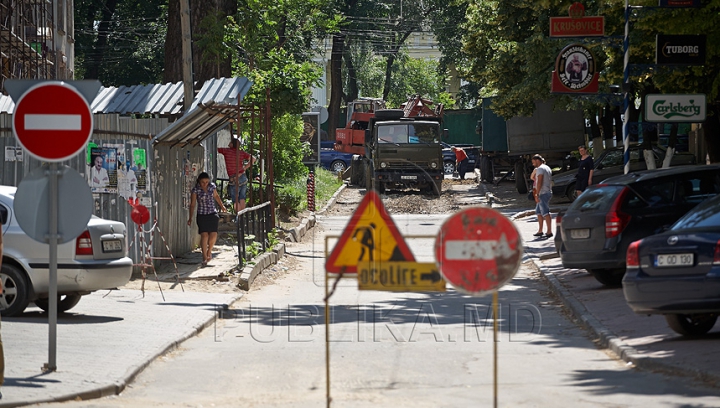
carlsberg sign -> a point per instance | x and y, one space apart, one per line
675 108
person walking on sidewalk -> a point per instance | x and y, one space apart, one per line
542 191
235 163
461 161
202 196
586 166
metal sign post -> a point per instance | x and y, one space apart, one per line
53 238
478 250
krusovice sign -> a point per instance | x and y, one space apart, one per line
675 108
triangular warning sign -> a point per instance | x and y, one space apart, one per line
371 235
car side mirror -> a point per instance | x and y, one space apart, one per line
368 136
3 215
599 166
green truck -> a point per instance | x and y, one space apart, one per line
400 152
508 145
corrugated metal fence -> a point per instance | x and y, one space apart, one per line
159 186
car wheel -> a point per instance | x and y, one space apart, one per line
691 324
571 193
338 166
608 277
449 167
14 298
65 303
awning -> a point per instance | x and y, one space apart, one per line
216 105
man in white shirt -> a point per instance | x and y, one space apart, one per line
98 174
542 190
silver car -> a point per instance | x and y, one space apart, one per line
95 260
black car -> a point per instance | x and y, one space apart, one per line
449 156
677 273
596 230
611 163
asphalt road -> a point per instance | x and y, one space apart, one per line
401 349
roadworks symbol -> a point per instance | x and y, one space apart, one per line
370 236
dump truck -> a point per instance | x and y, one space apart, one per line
394 148
510 144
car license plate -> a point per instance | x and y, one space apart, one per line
112 246
670 260
581 233
408 177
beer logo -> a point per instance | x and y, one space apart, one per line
575 66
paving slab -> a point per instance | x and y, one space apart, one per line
102 343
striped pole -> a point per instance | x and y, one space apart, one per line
626 90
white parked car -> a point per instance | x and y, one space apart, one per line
95 260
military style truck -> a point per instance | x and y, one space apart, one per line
400 148
403 152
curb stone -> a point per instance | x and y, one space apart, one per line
264 261
605 337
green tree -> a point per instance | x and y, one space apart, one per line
273 44
288 150
410 76
120 42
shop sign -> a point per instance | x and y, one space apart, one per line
675 108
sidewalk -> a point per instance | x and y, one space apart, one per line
644 341
121 331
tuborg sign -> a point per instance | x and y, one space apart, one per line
675 108
680 49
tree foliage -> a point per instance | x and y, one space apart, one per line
120 42
273 44
288 150
410 76
509 54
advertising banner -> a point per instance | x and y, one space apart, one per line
675 108
680 49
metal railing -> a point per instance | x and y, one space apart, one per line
253 225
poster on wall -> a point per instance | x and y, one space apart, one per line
190 171
311 137
139 166
13 154
102 174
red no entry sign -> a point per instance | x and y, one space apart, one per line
52 121
478 250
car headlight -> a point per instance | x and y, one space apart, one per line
383 165
433 165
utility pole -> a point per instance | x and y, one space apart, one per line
186 54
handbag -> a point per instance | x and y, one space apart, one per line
531 196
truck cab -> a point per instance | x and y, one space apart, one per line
403 152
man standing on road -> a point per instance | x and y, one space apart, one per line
461 161
542 191
236 167
583 178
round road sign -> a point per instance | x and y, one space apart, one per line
52 121
32 204
478 250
